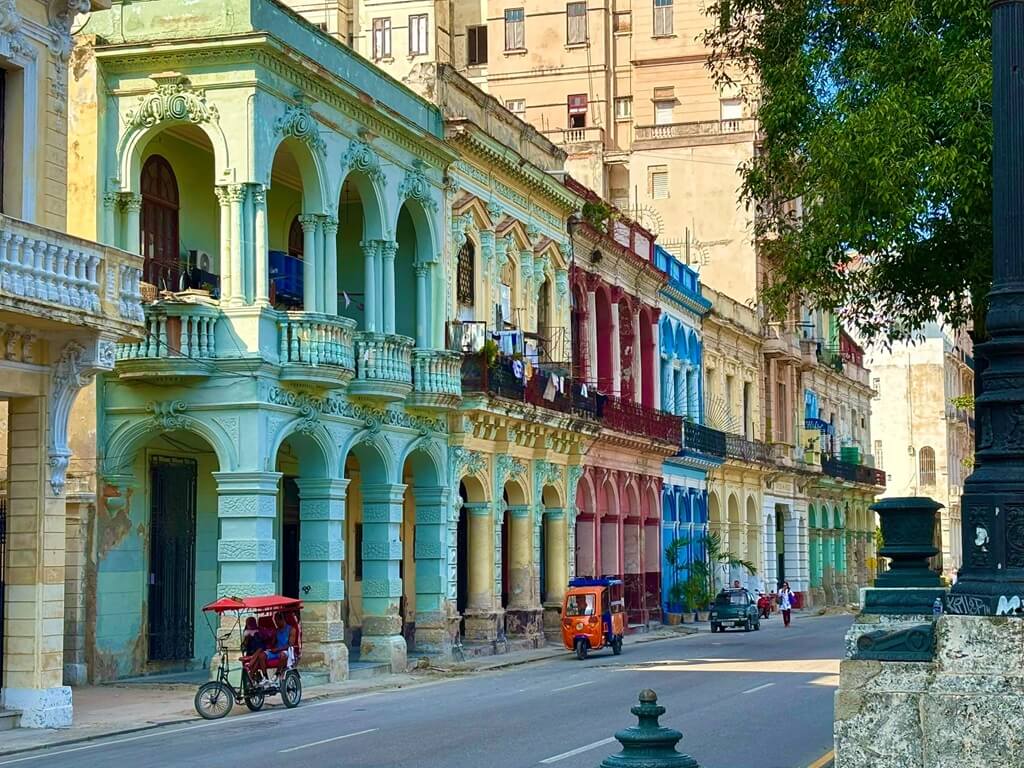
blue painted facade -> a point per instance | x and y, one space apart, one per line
685 495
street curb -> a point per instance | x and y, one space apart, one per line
641 640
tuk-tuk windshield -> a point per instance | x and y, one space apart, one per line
580 605
731 598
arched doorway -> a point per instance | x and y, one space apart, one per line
604 368
587 529
159 220
360 250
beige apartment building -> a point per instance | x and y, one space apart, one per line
922 440
621 87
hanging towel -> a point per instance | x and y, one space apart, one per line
550 389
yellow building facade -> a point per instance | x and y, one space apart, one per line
64 303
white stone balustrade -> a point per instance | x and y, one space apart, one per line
42 265
309 338
437 372
383 366
175 329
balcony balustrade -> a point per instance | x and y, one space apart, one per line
436 378
854 473
383 366
567 397
752 451
55 270
698 438
698 129
315 347
565 137
180 340
781 342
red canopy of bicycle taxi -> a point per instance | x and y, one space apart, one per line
261 604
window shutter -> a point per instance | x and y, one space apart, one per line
659 185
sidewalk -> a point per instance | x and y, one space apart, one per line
114 709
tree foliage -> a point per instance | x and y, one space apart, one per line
876 115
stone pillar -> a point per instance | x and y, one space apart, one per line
34 593
224 257
817 590
481 615
321 267
246 550
656 336
111 202
321 585
370 285
592 337
680 379
433 629
638 359
261 249
236 201
310 298
330 265
382 285
388 250
556 569
771 567
666 387
828 573
523 616
248 245
132 203
616 353
422 318
382 587
840 565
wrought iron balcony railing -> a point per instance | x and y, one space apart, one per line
701 439
753 451
854 473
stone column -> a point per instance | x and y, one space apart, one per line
680 378
828 565
246 550
382 587
382 285
370 285
666 386
388 249
224 257
841 575
248 245
236 201
132 203
523 615
638 359
771 560
422 337
261 249
321 267
433 630
481 616
321 585
310 298
330 224
656 335
616 353
34 593
556 569
110 208
592 337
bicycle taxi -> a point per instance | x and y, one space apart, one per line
271 614
593 615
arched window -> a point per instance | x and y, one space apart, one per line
543 302
296 242
159 224
926 465
466 276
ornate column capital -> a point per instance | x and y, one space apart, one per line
388 248
308 222
131 201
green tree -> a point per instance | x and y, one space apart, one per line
876 115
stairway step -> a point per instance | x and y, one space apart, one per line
9 719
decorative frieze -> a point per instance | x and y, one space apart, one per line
300 124
173 99
331 406
415 186
359 156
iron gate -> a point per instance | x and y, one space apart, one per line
172 558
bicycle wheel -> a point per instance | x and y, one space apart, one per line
253 695
214 700
291 689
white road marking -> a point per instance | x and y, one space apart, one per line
345 699
760 688
326 741
577 751
577 685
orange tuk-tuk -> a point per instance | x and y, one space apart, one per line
593 615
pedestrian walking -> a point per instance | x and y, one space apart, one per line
786 601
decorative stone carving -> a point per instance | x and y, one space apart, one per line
415 186
359 156
495 212
298 123
74 369
168 415
173 99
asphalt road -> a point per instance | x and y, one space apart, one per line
757 700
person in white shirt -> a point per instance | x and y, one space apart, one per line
786 602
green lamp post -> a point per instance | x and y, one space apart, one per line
647 744
991 580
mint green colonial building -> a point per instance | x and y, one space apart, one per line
281 428
292 421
